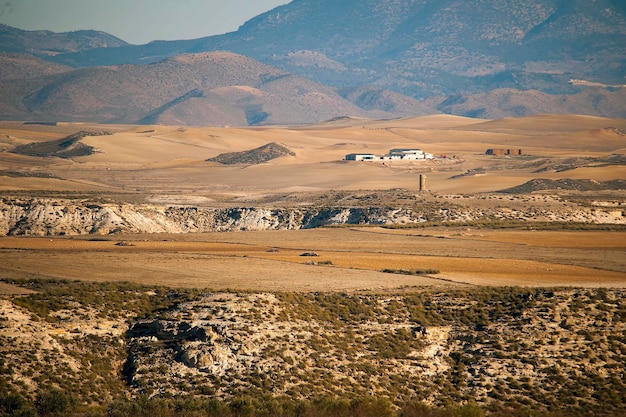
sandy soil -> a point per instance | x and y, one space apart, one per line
167 165
171 160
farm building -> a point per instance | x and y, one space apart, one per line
410 154
393 155
360 157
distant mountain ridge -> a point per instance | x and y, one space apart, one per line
47 43
366 58
420 47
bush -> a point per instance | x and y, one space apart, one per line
53 402
12 404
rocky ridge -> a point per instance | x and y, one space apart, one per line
52 217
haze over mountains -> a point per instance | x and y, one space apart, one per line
313 60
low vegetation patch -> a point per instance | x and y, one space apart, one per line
19 174
68 147
259 155
411 271
542 184
77 348
512 224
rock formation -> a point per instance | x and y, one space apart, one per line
54 217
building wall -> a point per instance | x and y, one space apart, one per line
360 157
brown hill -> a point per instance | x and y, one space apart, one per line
570 164
259 155
20 75
546 123
22 66
501 103
285 99
375 98
201 89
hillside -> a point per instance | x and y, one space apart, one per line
15 66
509 102
423 48
217 88
463 38
566 184
136 350
22 216
22 74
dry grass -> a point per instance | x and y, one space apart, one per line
10 289
349 259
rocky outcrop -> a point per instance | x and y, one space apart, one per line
167 331
51 217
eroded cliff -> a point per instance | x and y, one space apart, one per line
53 217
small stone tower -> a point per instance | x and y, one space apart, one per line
422 183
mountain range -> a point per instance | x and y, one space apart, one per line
312 60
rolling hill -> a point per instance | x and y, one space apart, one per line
476 58
218 88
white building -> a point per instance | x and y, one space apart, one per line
394 155
410 154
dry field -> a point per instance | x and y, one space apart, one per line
167 165
348 259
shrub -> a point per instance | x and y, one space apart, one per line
54 402
12 404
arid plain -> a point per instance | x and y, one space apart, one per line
167 166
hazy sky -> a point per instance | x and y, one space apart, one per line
135 21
